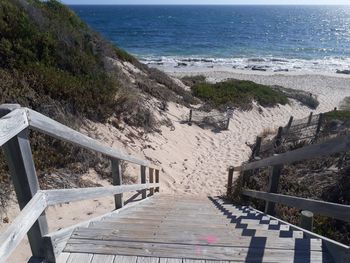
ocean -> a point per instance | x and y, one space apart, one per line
271 38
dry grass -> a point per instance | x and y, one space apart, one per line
267 132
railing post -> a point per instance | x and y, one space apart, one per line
19 158
151 181
190 118
157 180
117 180
306 220
310 118
230 180
289 123
273 187
143 181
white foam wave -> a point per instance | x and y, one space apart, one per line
327 64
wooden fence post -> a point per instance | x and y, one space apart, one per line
289 123
190 118
279 137
273 187
319 125
227 124
306 220
117 180
151 181
19 158
157 180
230 180
143 181
257 147
310 118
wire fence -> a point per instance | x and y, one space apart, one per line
213 119
304 131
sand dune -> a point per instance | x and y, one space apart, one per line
194 161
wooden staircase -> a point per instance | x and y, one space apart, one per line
159 228
184 229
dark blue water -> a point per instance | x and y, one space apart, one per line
315 37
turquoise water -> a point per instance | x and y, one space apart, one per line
271 37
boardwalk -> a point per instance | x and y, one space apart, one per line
168 229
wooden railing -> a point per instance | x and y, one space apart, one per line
276 163
15 123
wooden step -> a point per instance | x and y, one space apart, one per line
210 229
149 249
201 237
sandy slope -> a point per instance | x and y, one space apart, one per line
194 161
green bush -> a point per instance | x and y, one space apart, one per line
238 93
341 115
54 51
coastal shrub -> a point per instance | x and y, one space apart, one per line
54 51
238 93
305 98
337 115
193 80
167 81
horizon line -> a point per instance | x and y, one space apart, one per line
212 4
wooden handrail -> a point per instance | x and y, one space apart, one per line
40 122
15 123
60 196
338 211
11 238
12 124
332 146
18 229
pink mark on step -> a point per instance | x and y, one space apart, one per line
211 239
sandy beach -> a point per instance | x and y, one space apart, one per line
194 161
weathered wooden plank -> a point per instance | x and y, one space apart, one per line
80 258
230 180
173 221
143 181
14 234
103 259
19 158
157 179
193 238
338 211
59 238
60 196
189 251
147 260
272 187
125 259
151 181
169 225
63 258
12 124
170 260
117 180
336 145
57 130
